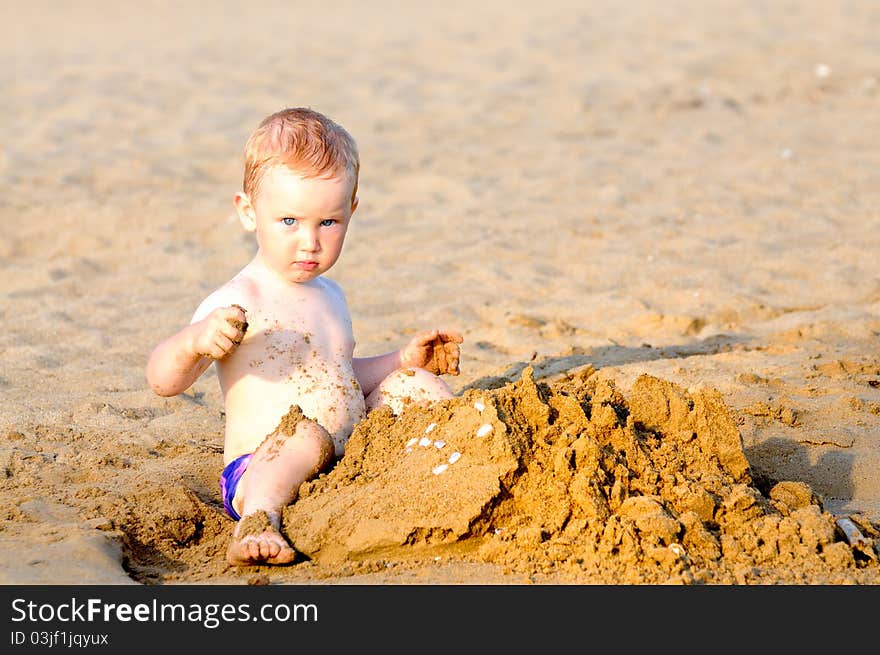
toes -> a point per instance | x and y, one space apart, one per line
284 556
268 547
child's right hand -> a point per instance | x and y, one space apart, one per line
220 332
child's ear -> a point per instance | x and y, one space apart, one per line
354 204
246 213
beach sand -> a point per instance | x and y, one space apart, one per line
656 228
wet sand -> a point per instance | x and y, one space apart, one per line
655 230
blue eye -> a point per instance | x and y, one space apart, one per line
327 222
289 221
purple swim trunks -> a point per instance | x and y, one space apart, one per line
229 481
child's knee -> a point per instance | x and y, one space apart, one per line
418 378
315 438
408 385
424 383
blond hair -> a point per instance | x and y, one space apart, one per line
304 141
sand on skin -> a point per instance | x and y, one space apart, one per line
700 210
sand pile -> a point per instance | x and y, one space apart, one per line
568 480
571 478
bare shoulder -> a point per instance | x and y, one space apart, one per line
333 288
241 290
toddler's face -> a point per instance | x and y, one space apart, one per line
300 223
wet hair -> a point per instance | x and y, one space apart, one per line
303 140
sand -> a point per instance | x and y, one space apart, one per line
656 230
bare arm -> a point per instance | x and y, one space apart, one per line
370 371
179 360
434 350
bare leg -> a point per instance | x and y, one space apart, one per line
295 452
408 385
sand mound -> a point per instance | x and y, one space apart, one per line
571 477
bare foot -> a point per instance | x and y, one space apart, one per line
258 541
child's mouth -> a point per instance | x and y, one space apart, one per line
306 266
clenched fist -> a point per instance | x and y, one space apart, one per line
221 331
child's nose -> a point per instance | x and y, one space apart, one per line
309 240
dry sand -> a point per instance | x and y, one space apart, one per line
656 228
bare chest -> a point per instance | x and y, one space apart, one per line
296 330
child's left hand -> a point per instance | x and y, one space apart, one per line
433 350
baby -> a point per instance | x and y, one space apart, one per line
281 335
